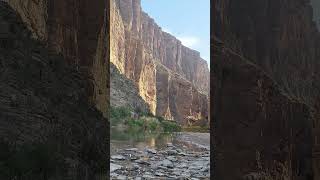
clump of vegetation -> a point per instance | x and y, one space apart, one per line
145 121
170 126
196 129
119 115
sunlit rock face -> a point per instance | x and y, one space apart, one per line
171 78
77 30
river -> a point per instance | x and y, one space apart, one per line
183 155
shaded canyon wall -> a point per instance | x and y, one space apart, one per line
78 31
266 61
48 128
260 132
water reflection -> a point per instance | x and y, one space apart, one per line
139 139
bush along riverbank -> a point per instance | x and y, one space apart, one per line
128 119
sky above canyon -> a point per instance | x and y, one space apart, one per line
188 20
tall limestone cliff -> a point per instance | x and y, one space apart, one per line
171 78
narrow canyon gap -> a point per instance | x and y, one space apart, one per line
159 98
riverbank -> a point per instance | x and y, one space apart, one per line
186 156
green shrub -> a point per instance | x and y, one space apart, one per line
161 119
169 126
119 115
146 114
153 125
135 123
148 122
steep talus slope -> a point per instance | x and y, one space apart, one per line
123 92
77 30
171 78
48 129
266 122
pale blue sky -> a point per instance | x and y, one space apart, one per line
188 20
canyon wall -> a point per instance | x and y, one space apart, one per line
260 132
279 36
171 78
266 89
78 31
48 130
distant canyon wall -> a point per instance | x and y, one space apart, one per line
171 78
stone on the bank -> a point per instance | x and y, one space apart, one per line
139 161
132 149
182 165
114 167
169 145
152 151
159 174
194 179
167 163
172 158
182 154
146 176
121 177
118 157
172 152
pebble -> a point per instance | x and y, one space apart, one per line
114 167
152 151
132 149
166 163
118 157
